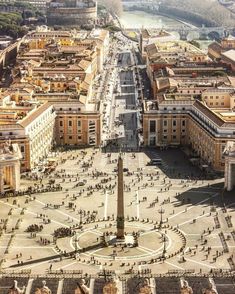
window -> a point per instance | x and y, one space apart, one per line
70 123
174 123
61 123
22 149
79 123
70 137
79 137
183 123
152 126
174 137
165 123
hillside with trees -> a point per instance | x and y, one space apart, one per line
113 6
199 11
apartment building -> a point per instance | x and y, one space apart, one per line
166 61
50 101
193 102
151 36
189 122
77 125
31 126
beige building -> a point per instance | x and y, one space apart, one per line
168 63
151 36
188 122
77 124
193 102
31 126
228 57
51 99
223 97
215 49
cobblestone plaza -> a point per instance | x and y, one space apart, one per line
183 221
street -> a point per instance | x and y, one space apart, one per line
120 104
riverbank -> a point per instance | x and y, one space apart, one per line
140 19
189 19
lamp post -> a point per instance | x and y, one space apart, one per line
80 212
164 245
76 243
161 211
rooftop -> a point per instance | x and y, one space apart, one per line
230 54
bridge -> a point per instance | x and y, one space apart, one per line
185 32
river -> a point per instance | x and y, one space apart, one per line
141 19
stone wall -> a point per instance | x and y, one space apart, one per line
71 16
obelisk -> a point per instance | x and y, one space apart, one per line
120 201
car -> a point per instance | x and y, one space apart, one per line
155 161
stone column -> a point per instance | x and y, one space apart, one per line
120 201
7 175
229 176
11 175
1 180
16 176
232 167
226 174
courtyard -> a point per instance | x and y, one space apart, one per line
183 219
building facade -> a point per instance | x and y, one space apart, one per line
72 12
51 101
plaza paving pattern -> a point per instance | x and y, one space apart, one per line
198 228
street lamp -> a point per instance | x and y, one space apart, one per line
76 243
164 245
161 211
80 212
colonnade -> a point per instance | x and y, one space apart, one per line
229 174
9 176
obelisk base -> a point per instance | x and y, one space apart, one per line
120 228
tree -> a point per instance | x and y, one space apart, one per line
114 6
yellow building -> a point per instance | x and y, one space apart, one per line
52 102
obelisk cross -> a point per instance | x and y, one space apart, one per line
120 201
